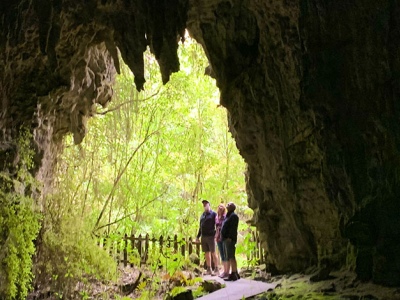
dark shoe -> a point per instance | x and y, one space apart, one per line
232 277
237 274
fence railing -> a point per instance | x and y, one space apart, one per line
143 245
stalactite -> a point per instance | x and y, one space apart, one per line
311 88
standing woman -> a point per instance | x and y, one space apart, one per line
219 219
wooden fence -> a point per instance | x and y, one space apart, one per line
142 245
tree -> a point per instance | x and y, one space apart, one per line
148 159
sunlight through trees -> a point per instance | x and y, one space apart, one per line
149 157
146 162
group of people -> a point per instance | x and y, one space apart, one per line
219 228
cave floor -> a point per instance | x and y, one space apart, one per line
341 285
236 290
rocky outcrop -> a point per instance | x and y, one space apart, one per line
259 68
59 60
311 88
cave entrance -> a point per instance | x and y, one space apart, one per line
149 158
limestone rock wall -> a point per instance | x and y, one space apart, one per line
54 71
59 60
311 87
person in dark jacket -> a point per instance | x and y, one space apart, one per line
207 234
229 232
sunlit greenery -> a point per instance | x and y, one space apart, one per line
19 223
145 164
148 158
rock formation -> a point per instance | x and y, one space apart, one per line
310 86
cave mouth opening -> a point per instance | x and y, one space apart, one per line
178 132
149 158
311 107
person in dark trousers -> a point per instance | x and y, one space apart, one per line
229 232
207 234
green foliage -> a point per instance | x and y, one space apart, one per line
149 157
69 254
177 290
199 292
144 165
122 298
246 249
298 290
146 295
19 224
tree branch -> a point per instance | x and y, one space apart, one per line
128 215
125 103
147 136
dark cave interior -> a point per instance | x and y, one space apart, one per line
310 86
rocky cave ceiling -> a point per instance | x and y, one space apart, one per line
312 88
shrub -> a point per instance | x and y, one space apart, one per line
68 255
19 223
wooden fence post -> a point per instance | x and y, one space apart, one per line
183 243
118 250
175 243
139 247
190 246
132 239
146 248
125 251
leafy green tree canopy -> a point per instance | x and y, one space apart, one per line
149 158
